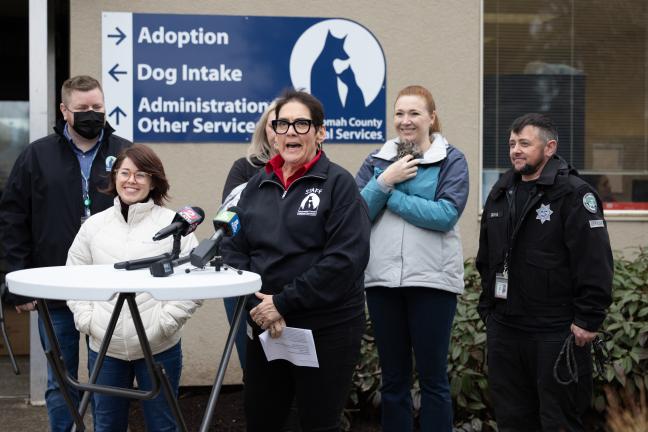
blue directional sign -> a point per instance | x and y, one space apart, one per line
202 78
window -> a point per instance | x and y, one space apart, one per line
584 63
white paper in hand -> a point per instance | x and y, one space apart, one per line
295 345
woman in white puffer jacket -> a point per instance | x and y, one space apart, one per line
120 233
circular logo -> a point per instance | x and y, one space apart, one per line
110 160
589 202
338 55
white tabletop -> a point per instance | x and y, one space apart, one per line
102 282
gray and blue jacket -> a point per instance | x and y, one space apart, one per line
415 241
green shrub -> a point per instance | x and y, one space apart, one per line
627 321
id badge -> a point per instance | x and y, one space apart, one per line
501 285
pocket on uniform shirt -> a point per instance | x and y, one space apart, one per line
547 277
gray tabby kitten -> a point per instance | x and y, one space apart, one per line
408 147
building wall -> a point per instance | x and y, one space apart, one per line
434 43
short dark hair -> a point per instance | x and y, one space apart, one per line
311 102
548 131
82 83
145 160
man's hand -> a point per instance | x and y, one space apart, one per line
582 336
26 307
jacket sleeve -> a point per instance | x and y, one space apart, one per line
236 176
593 270
80 254
375 197
343 259
15 220
235 250
83 311
442 212
366 172
438 215
486 300
175 313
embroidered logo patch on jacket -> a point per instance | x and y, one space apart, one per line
309 205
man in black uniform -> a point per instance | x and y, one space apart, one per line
53 187
546 267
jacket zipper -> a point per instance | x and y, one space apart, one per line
531 201
285 190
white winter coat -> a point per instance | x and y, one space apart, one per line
105 238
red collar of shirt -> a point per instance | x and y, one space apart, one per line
276 163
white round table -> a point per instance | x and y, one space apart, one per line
102 283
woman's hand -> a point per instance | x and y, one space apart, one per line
277 327
265 313
403 169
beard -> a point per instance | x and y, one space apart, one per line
405 147
529 169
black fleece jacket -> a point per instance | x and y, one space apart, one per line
309 243
559 257
42 204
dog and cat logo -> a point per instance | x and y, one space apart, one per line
310 203
342 64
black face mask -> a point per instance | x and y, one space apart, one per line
88 124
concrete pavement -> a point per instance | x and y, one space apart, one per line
16 414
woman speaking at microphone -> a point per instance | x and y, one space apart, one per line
305 230
120 233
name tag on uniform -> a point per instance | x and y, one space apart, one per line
501 285
598 223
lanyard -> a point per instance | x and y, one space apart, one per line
85 183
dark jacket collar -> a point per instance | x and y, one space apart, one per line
555 166
320 169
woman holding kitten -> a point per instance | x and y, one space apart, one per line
416 187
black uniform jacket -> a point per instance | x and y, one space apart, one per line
42 204
559 257
309 243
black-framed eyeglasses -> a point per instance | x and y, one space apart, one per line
301 126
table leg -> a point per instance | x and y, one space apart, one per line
101 355
156 371
220 375
3 330
55 359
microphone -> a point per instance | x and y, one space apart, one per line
164 267
226 224
141 263
185 221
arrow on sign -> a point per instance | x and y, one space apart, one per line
120 35
114 72
117 112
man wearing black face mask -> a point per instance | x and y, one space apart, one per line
53 187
